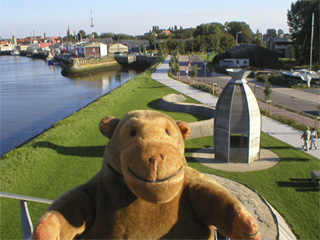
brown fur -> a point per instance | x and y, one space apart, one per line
145 190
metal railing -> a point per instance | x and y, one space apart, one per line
26 222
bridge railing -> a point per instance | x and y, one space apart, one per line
26 222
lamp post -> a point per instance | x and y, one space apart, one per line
255 81
237 38
205 72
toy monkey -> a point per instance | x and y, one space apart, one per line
145 190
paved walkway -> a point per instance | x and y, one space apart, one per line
277 130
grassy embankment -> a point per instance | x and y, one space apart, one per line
70 153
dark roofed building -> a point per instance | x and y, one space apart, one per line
258 56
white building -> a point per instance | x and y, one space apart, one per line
234 63
95 49
118 48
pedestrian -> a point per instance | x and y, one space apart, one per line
314 135
306 137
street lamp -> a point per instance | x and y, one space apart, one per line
205 72
237 38
255 81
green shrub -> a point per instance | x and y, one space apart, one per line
203 87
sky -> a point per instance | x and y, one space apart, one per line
24 18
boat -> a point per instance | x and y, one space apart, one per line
314 75
15 53
51 62
305 74
50 59
301 73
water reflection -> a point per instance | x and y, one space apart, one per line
34 96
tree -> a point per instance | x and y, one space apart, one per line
172 45
299 21
246 35
176 68
195 71
227 41
280 33
81 34
272 33
107 35
207 37
152 39
267 90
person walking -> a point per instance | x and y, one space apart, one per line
314 135
306 138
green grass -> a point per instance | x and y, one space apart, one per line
287 186
70 153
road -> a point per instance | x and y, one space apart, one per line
307 100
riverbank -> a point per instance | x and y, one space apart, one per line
89 67
34 95
71 152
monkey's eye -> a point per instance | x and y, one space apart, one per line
168 132
133 132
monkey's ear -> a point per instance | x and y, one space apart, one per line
184 128
107 126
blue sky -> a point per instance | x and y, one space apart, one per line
135 17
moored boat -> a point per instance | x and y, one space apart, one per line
301 73
15 53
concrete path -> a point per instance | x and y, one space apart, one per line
277 130
303 100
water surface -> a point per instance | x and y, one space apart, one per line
33 96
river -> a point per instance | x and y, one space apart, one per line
34 95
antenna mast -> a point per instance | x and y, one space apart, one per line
92 26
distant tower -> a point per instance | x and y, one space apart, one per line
92 25
237 122
14 40
69 32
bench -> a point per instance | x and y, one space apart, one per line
315 175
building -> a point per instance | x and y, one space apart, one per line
258 56
234 63
6 48
118 48
282 46
167 32
95 49
69 32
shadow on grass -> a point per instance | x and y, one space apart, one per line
83 151
300 184
154 104
152 87
191 150
279 147
191 160
294 159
